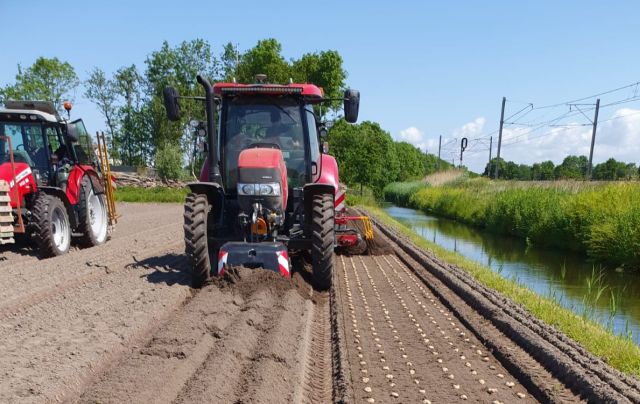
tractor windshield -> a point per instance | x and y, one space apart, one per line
251 120
27 143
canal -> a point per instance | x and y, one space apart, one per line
605 295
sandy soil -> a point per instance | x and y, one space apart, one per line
120 323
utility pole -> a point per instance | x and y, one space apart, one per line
504 101
593 139
490 147
439 147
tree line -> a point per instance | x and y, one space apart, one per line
572 167
368 156
138 133
130 99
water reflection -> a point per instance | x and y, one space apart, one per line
547 272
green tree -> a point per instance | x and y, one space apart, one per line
543 171
128 84
365 153
631 171
168 161
410 161
572 167
612 170
323 69
103 93
229 61
264 58
490 168
177 66
47 79
431 165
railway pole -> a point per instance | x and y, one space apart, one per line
593 139
504 101
490 147
439 148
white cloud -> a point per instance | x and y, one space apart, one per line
416 137
471 129
412 135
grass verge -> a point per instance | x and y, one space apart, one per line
156 194
601 220
618 351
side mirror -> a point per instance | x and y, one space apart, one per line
351 105
171 103
72 133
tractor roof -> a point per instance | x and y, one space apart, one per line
44 110
308 91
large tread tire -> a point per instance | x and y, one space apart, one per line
42 227
196 212
323 238
90 238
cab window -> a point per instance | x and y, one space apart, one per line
251 120
27 142
314 144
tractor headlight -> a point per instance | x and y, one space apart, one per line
267 189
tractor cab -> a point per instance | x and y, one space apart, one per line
283 122
36 136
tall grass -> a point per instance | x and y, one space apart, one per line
147 195
602 221
443 177
399 192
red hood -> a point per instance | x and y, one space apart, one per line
24 178
6 173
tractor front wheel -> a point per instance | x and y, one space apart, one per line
322 235
92 215
196 212
49 226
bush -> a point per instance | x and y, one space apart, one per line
169 162
399 192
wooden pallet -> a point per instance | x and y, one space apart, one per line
6 217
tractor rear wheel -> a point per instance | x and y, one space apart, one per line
92 215
49 226
322 237
196 212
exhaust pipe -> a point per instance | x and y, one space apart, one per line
212 138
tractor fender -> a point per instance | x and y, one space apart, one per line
214 193
74 182
309 191
328 171
60 194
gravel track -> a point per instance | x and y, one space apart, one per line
120 323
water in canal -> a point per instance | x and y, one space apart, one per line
547 272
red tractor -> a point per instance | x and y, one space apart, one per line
266 189
54 187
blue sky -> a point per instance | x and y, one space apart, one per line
424 68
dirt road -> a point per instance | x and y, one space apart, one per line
120 323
